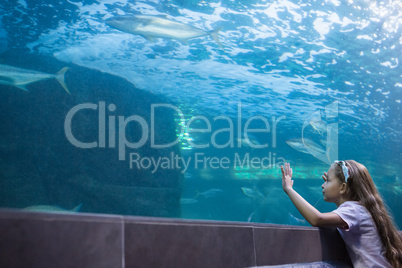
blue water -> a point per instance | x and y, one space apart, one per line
327 71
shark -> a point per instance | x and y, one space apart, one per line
301 145
20 77
151 27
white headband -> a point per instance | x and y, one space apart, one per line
344 169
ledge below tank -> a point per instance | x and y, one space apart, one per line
34 239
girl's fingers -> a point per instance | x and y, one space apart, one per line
287 170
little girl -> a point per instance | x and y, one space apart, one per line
361 218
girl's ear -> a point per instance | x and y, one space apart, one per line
343 188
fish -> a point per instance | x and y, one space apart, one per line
317 123
20 77
323 142
296 221
151 27
53 209
188 201
252 192
301 145
319 126
250 217
250 142
210 193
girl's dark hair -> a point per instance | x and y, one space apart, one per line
361 188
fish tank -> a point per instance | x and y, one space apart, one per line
187 109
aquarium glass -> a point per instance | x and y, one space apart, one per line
188 108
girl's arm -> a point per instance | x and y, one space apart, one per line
310 213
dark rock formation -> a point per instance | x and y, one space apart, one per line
39 165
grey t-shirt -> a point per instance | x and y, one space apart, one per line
361 236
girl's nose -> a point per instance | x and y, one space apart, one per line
322 186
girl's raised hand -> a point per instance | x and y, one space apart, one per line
287 182
325 176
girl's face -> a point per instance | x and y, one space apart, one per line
331 188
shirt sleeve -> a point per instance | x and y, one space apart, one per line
348 214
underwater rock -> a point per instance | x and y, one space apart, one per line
111 198
33 124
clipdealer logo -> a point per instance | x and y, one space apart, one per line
112 130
